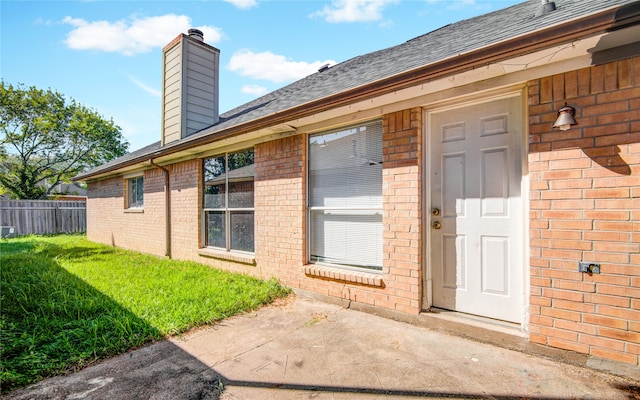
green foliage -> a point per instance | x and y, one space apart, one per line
241 159
215 166
67 302
46 140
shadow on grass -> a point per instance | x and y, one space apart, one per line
76 251
51 249
52 321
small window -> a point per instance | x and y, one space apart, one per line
228 201
135 192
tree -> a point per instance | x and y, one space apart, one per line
46 140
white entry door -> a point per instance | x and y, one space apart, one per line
476 209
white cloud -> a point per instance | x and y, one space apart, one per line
353 10
463 2
255 90
152 91
272 67
455 5
130 37
243 4
460 4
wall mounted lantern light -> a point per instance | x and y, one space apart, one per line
566 118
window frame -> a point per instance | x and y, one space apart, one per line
227 210
130 185
346 210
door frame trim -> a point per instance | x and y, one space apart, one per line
519 90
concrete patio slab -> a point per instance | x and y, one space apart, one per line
305 349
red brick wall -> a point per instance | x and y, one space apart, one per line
280 209
402 214
280 206
585 205
186 217
109 222
186 208
280 219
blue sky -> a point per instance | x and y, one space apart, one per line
107 54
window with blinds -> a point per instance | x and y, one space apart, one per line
345 196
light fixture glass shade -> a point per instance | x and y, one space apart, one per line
565 118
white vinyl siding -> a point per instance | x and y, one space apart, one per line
345 196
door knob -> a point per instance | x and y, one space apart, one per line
436 225
435 211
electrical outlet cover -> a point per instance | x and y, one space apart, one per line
588 267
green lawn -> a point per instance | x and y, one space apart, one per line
66 302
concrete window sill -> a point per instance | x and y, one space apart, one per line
363 278
228 256
134 210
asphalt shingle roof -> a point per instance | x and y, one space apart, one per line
448 41
443 43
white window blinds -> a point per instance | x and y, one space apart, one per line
345 196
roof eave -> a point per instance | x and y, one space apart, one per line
603 21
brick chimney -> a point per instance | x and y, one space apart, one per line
190 70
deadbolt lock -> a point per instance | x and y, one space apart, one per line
435 211
436 225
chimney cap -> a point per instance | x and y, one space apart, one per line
196 34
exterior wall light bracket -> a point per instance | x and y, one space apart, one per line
565 118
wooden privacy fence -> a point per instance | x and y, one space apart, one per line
43 216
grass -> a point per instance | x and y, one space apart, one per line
66 302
